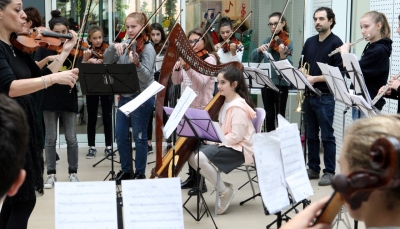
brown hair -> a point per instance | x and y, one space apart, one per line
33 15
142 20
377 17
208 42
93 29
359 138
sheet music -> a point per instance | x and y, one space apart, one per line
364 106
159 60
293 160
348 60
152 203
294 76
266 67
336 83
85 205
221 135
150 91
183 104
270 171
257 78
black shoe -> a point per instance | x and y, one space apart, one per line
193 191
312 174
139 176
149 149
190 182
57 157
122 176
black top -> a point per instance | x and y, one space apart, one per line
315 51
15 65
58 98
395 94
375 65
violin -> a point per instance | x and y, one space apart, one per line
226 47
99 51
25 41
159 46
141 41
200 54
281 38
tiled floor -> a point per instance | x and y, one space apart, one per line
249 215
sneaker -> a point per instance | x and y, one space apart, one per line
91 153
326 179
225 199
312 174
49 183
57 157
108 152
149 149
139 176
73 177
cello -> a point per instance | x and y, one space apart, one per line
179 47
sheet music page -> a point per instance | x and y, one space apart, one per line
159 60
348 60
183 104
221 135
150 91
270 171
258 78
153 203
360 101
294 76
266 67
85 205
293 160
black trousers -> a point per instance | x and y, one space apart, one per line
16 215
272 103
92 102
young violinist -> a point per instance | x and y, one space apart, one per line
235 120
19 78
275 103
59 101
95 40
203 85
232 49
376 53
382 208
144 59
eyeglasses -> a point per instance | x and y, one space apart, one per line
194 41
273 24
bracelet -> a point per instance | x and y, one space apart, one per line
58 60
51 79
44 82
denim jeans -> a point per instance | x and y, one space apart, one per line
139 120
356 114
50 122
319 112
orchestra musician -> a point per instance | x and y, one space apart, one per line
93 56
394 82
382 208
232 49
144 59
19 78
319 110
203 85
59 101
275 102
376 53
235 120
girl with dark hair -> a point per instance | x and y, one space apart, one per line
33 18
376 53
274 102
158 37
95 40
230 51
19 78
139 119
235 119
203 85
59 101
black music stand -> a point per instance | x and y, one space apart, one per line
197 124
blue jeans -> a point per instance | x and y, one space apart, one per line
356 114
139 120
319 112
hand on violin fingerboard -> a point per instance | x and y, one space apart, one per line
233 47
70 44
134 58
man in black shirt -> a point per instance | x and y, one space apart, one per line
319 110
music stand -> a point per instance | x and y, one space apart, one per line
197 124
109 79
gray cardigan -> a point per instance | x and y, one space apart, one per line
145 71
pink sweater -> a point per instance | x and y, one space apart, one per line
238 128
203 85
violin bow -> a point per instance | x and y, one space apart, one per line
84 27
144 27
280 19
209 27
165 42
234 31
